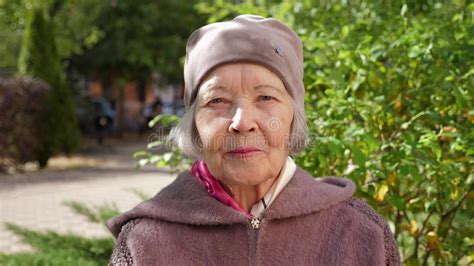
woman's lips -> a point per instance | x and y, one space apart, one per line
244 152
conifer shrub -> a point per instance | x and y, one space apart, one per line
39 59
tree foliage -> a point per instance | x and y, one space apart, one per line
73 20
140 37
39 59
391 94
11 26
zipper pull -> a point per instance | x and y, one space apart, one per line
255 222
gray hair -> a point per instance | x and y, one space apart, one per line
186 137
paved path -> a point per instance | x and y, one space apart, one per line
36 199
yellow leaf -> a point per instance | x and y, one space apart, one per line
381 193
431 240
454 194
470 116
449 129
398 103
413 227
391 179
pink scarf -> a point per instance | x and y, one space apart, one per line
213 187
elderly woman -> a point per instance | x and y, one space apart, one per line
245 202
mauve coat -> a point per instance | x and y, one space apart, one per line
311 222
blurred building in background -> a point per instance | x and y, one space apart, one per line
135 104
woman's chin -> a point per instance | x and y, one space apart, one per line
244 176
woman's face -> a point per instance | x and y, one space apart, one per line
243 118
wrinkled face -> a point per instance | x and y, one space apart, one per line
243 118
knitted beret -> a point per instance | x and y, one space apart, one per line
246 38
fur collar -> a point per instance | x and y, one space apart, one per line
185 201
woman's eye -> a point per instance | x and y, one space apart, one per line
265 98
216 101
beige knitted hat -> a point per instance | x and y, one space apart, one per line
246 38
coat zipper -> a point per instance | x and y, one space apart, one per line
255 225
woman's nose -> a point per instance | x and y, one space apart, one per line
243 121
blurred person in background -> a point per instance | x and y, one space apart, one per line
149 112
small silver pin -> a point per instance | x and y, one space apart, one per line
279 51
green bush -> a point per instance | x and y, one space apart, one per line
22 130
56 249
52 248
160 152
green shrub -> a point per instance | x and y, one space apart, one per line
39 59
52 248
22 130
161 152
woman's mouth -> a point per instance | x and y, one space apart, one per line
244 152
